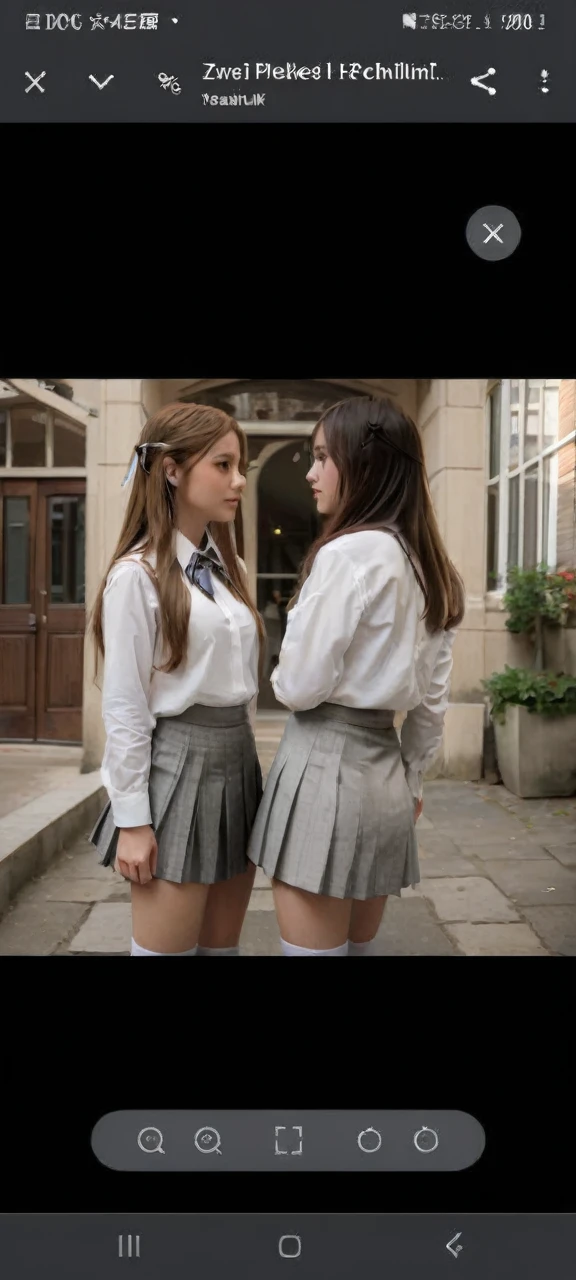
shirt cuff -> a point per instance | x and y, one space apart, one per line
415 780
132 811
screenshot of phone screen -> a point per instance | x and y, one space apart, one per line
287 664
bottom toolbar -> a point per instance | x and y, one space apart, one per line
290 1246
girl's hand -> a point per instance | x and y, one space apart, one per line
137 854
418 809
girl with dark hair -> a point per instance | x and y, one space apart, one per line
180 636
369 633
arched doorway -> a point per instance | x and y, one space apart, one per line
287 523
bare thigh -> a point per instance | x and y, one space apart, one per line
311 920
167 917
226 907
366 919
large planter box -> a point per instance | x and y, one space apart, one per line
537 754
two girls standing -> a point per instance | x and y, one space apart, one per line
370 633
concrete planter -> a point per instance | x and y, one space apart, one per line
537 754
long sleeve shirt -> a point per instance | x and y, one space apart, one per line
220 670
356 638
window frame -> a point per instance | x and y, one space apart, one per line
9 472
502 480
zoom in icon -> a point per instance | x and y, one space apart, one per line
208 1141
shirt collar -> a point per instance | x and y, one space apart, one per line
185 548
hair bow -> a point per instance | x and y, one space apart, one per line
140 451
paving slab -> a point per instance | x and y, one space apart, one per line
260 935
409 929
471 899
528 883
496 939
80 862
261 881
434 844
565 853
509 852
261 900
469 839
86 891
432 865
107 930
547 835
556 926
39 928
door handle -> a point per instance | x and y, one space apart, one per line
32 621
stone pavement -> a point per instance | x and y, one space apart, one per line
498 878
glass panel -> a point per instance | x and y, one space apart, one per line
534 385
269 400
66 527
492 558
515 391
3 439
287 518
495 420
549 495
551 395
531 436
16 551
69 444
530 518
28 437
566 514
514 452
513 510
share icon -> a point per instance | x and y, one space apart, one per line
477 80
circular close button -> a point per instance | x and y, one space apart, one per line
493 232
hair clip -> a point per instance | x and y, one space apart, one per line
378 432
140 456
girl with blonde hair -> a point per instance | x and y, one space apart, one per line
180 639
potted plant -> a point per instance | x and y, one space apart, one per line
534 711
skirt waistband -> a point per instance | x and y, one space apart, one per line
218 717
363 716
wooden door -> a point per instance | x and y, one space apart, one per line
18 623
60 579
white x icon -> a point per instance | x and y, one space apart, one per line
493 232
35 84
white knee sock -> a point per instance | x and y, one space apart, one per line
218 951
288 949
136 950
359 948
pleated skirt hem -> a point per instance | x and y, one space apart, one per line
205 786
337 815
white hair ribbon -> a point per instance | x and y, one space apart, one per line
140 456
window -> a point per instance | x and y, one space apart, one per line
271 401
531 493
69 444
28 437
33 437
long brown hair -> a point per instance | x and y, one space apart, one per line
378 453
189 430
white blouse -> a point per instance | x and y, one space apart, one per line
356 638
221 670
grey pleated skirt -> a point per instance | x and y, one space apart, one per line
205 786
337 815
